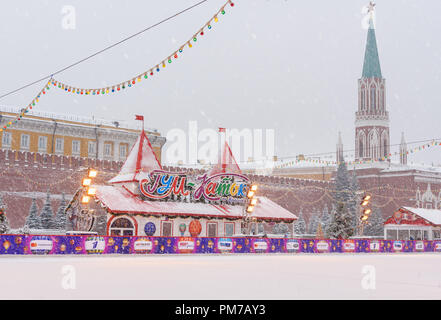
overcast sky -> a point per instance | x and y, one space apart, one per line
283 64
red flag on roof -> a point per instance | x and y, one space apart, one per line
138 117
221 129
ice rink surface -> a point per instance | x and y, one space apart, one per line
302 276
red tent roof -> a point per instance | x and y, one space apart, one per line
227 163
140 161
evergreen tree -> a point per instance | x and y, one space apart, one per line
325 218
47 215
32 220
345 199
341 225
313 223
300 225
375 226
353 203
4 223
60 218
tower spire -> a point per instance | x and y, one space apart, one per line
371 65
372 119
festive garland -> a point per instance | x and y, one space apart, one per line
28 107
413 150
148 73
122 85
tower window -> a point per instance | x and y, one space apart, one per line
373 99
363 105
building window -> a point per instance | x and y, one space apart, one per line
122 227
122 150
6 139
373 99
92 148
75 147
166 228
24 142
59 145
211 229
107 149
229 229
362 100
42 144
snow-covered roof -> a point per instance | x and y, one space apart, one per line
431 215
120 200
140 161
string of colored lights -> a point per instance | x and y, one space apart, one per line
27 108
104 49
151 71
122 85
422 147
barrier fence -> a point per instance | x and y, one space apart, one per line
92 244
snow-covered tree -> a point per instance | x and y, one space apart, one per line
345 199
341 223
313 223
33 220
4 224
300 225
374 226
325 218
353 203
60 218
47 215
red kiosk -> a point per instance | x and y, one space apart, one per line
143 199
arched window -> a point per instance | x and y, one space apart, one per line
122 227
374 145
373 99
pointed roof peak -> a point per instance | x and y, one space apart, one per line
371 65
227 163
140 161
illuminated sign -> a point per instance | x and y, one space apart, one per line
228 187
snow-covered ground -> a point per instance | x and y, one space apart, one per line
303 276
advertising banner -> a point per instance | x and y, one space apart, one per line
97 245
